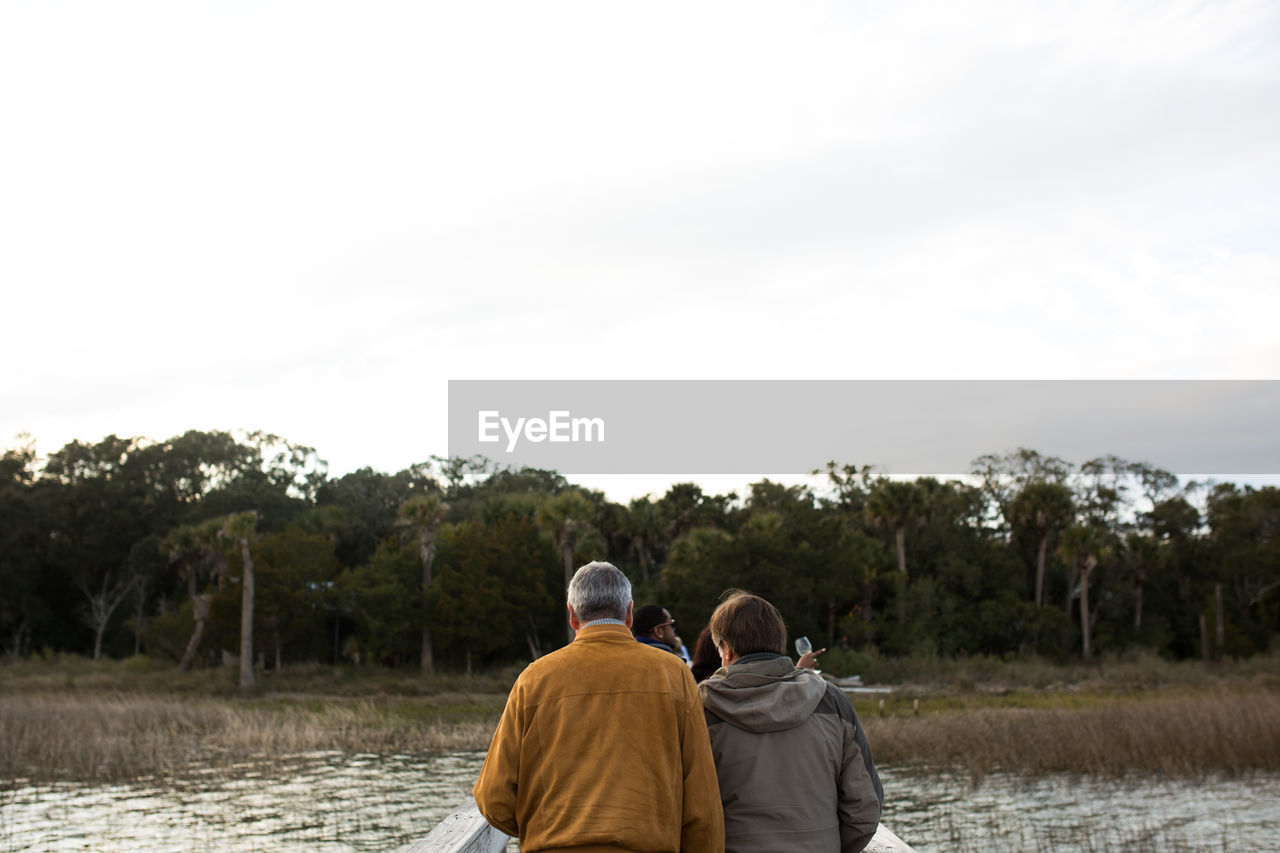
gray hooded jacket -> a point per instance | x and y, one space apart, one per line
794 767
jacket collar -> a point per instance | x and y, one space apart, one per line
759 663
606 631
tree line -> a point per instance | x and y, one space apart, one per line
211 548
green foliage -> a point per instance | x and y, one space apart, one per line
383 600
293 571
167 632
496 594
917 568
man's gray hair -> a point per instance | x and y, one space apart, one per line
599 591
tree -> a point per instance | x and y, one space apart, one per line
1245 534
704 563
1004 475
1042 507
146 569
293 570
1101 486
1140 556
370 504
643 531
491 591
191 551
102 603
239 528
685 506
567 516
22 537
380 597
422 515
852 484
896 504
1085 544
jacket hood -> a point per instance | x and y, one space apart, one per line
764 695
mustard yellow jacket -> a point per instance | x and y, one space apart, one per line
603 745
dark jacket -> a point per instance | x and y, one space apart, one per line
657 644
794 767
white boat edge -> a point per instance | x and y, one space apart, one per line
466 831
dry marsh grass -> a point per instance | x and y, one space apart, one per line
56 736
1177 734
72 719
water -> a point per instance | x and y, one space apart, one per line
320 802
331 802
942 812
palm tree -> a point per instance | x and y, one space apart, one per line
643 529
1084 544
423 514
1142 554
239 528
895 504
190 549
1042 506
567 516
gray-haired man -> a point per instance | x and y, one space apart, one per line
603 744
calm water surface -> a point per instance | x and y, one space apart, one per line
332 802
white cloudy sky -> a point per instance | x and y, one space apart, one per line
306 217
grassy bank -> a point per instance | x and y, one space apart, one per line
1177 732
111 737
70 673
72 719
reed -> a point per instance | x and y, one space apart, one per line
1231 731
70 719
61 736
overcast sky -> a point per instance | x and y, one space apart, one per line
306 217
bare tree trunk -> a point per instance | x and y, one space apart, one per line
101 605
427 554
427 654
1137 609
1071 585
18 635
900 535
246 617
199 612
642 556
1204 639
900 584
1085 624
138 617
1041 556
1219 627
